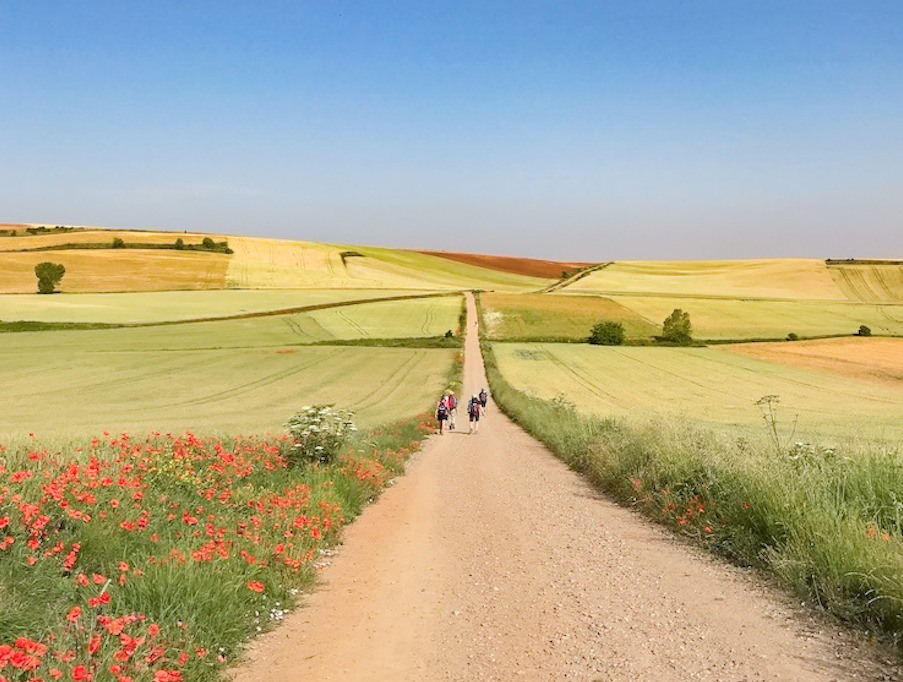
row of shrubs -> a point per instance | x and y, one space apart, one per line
676 331
827 522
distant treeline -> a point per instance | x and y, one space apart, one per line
39 230
207 245
862 261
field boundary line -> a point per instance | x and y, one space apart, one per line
239 316
573 278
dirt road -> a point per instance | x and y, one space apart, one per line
490 560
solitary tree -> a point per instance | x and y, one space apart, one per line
677 328
180 243
864 331
607 334
49 275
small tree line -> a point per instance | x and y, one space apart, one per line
677 330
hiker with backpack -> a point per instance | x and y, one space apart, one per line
452 403
474 411
484 398
442 413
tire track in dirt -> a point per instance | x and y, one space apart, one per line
490 560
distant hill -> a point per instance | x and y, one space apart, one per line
99 260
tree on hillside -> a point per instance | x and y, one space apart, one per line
49 276
677 328
607 334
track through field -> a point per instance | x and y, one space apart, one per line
491 560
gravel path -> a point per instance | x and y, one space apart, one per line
490 560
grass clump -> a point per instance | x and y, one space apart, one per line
827 522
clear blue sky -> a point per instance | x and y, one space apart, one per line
574 130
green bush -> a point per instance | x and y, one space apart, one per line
677 328
49 276
792 337
118 243
208 243
864 331
607 333
318 434
180 243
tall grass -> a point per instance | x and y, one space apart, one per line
828 523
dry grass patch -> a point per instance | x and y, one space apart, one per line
116 270
871 359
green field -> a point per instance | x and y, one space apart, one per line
752 319
536 316
231 376
707 385
161 306
83 391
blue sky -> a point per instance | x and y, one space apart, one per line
572 130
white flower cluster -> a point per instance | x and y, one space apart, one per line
319 432
809 453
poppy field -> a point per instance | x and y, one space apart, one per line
128 559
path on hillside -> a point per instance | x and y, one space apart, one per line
490 560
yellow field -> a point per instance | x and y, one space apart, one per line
523 316
261 263
860 357
710 385
869 283
715 318
116 270
745 279
100 237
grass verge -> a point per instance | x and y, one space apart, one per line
827 523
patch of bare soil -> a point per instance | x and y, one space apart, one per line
532 267
870 358
490 560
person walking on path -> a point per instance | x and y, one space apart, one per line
442 413
484 398
452 403
474 411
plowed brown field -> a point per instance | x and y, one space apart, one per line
531 267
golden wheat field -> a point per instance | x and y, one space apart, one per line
117 270
792 278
